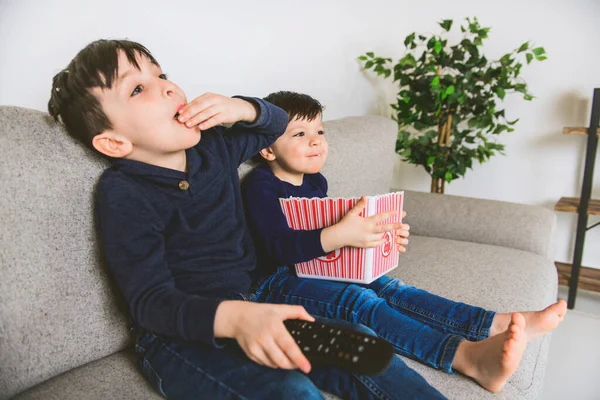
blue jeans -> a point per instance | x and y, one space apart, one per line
420 325
180 370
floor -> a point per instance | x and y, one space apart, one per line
574 362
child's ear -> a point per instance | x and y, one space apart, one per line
268 154
112 144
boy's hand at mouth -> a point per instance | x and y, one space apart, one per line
210 109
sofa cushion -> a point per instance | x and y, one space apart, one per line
58 309
113 377
492 277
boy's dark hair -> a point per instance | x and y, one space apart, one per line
296 105
71 98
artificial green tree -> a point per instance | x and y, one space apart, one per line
447 104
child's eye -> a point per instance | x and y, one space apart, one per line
299 134
163 76
138 89
321 132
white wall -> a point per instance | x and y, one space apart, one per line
254 47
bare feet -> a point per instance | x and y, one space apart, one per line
493 360
537 322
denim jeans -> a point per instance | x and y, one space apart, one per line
180 370
420 325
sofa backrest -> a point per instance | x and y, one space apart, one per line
59 308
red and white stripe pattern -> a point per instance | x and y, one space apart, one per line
347 264
386 256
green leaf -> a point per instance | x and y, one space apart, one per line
500 92
387 73
430 160
408 60
529 57
370 54
446 24
448 176
435 81
431 133
368 64
483 33
431 43
538 51
506 60
541 58
448 92
523 47
528 97
409 39
437 47
362 58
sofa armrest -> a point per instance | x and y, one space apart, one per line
518 226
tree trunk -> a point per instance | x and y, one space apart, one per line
444 133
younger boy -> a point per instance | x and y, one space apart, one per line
444 334
171 222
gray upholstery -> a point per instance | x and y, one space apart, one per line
517 226
62 319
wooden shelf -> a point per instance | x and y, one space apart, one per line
577 131
571 204
589 278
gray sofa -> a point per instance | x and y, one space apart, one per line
63 324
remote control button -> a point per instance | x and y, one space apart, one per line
306 348
332 341
361 348
355 359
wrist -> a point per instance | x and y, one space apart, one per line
252 111
226 318
331 239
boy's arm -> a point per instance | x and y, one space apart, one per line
246 139
134 244
270 229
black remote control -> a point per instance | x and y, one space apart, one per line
342 348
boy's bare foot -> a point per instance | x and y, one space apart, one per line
493 360
537 322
